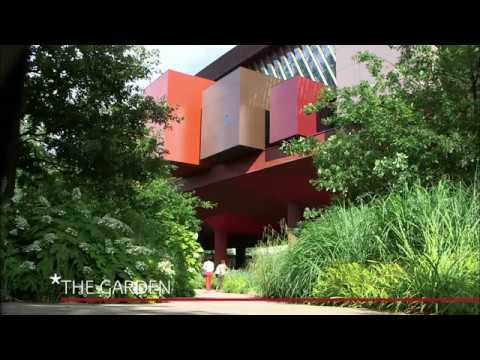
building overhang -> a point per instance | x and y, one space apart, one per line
238 56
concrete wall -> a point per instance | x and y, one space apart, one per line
350 73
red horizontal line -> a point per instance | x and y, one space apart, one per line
288 299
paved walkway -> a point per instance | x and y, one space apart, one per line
183 308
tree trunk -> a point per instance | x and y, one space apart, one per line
13 68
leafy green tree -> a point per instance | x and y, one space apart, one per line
85 130
86 116
420 120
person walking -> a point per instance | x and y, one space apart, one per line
220 272
208 267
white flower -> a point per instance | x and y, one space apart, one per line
124 241
140 266
76 194
28 265
138 250
44 201
46 219
115 224
109 249
71 231
166 267
85 212
84 246
50 238
21 223
33 247
60 212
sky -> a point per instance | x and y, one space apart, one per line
188 59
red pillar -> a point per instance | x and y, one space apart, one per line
220 246
294 213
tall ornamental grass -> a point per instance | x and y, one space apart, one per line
417 242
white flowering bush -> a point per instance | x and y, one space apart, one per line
47 236
81 236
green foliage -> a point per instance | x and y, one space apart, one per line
240 282
197 281
173 212
354 280
419 121
428 236
79 237
86 116
235 281
267 265
163 198
66 237
85 127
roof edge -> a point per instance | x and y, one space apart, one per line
229 61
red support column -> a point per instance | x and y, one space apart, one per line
220 246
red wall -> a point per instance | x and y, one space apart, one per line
288 98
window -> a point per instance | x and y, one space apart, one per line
314 62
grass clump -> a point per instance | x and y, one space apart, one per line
417 242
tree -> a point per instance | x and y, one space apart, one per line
13 67
419 121
85 114
88 168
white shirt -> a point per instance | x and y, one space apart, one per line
208 266
221 269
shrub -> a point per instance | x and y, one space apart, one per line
239 282
82 238
197 281
354 280
432 234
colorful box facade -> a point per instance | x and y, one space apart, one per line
181 140
234 112
288 99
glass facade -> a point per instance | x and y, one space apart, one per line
315 62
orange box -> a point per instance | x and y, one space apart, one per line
181 140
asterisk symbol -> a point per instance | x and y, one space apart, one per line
55 279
